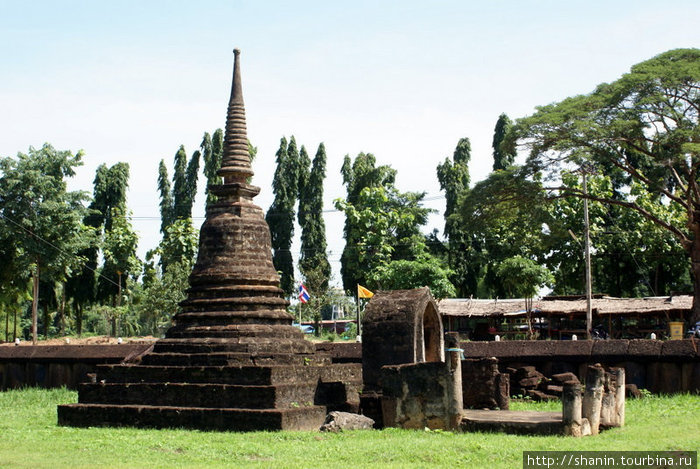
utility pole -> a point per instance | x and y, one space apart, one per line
586 229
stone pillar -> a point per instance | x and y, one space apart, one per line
593 396
619 375
571 408
454 364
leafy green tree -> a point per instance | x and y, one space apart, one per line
461 250
503 217
313 229
161 297
176 203
503 157
166 199
121 264
280 215
180 244
425 271
357 175
109 193
212 148
643 128
41 216
388 229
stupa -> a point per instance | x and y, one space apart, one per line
232 360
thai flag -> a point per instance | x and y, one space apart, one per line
303 294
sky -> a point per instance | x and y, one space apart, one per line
404 80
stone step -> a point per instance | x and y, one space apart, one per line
199 395
226 317
233 359
242 375
235 332
236 303
521 422
248 345
202 418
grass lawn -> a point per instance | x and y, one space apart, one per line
30 438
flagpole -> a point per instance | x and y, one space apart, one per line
359 327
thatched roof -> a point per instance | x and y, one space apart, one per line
604 305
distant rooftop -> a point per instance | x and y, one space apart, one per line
600 304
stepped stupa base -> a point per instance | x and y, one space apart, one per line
226 391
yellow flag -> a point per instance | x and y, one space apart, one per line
362 292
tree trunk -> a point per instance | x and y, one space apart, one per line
35 302
695 261
14 323
7 326
62 311
79 318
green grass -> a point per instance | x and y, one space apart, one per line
30 438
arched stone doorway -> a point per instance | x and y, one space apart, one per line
400 326
433 341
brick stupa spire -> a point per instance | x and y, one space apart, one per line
234 301
232 360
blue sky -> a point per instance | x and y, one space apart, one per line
405 80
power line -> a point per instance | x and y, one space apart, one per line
43 240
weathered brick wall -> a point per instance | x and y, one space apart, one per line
660 366
55 366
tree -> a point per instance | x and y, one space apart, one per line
179 245
461 252
522 278
503 157
502 217
642 128
212 148
166 200
120 261
41 216
388 229
109 197
357 175
313 229
161 297
425 271
280 215
176 203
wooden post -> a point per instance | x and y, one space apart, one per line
571 409
589 313
593 396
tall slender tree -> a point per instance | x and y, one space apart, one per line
462 251
503 156
109 197
176 200
314 259
212 148
280 215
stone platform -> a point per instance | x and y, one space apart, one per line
225 397
522 422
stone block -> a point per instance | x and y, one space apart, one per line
606 350
644 349
339 421
679 350
573 350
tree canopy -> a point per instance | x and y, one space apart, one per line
642 131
